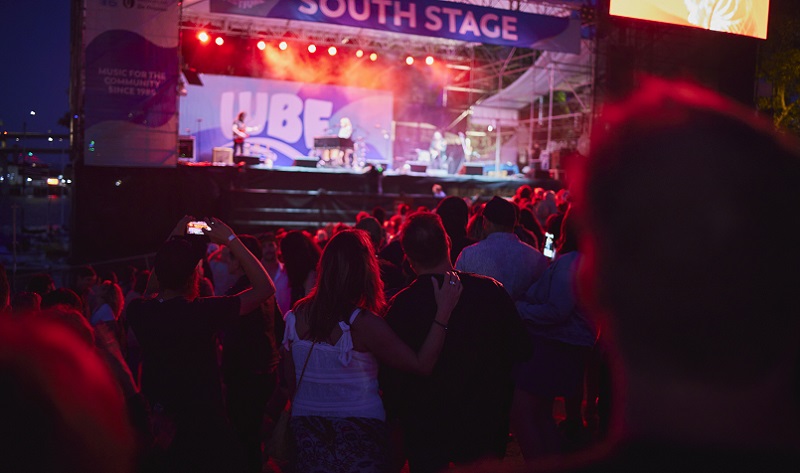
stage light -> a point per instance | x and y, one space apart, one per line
261 45
312 48
409 60
219 41
359 53
332 50
373 57
490 128
203 37
282 45
52 181
429 60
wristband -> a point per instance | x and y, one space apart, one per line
440 324
232 237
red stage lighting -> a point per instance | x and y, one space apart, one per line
429 60
312 48
261 45
282 45
359 53
373 57
409 60
332 50
219 41
203 37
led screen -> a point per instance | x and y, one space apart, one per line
743 17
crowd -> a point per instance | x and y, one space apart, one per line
427 339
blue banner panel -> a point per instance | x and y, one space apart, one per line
283 118
131 70
458 21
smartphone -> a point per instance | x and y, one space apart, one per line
197 227
549 246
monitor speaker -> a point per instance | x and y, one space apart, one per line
306 162
473 169
417 167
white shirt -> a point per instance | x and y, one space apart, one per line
338 381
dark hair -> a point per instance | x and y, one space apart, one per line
252 244
40 283
140 284
373 229
681 261
62 296
424 239
454 213
175 264
380 214
347 277
300 256
85 272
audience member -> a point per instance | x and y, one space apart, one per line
62 296
563 337
61 409
545 207
391 274
249 360
475 225
300 256
40 283
454 213
176 331
270 259
25 303
459 413
334 340
501 255
697 303
85 278
529 222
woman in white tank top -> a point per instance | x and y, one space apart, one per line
336 334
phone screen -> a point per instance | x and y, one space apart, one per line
549 246
197 227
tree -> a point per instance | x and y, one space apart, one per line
779 66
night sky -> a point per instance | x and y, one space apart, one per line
35 40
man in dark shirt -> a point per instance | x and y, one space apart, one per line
176 331
460 412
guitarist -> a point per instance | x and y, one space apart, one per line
239 134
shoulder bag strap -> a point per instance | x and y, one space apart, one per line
302 372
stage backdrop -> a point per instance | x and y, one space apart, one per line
131 77
284 117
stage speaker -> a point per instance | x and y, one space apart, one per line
305 162
248 160
192 76
417 167
186 148
473 169
222 155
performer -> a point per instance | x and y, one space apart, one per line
437 149
346 133
239 134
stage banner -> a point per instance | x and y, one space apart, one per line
131 76
458 21
283 118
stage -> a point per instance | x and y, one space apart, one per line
145 203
